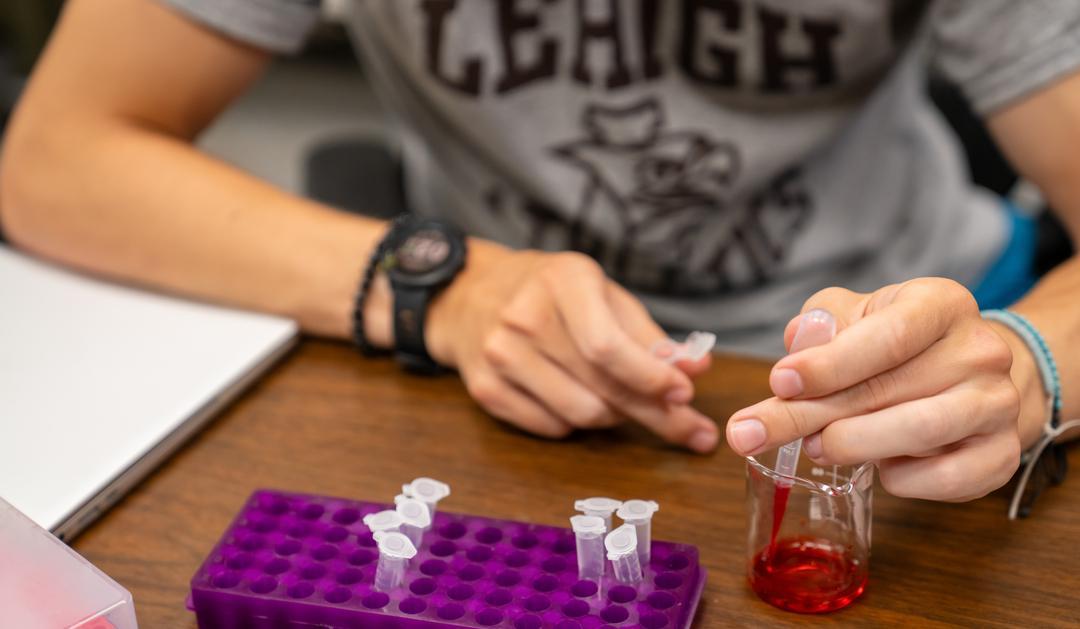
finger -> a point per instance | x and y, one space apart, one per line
639 324
681 425
876 343
812 449
633 317
513 357
583 305
676 423
979 466
910 428
505 401
942 366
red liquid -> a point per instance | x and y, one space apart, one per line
807 575
779 506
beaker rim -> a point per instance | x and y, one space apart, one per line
833 490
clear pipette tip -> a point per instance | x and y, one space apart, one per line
816 327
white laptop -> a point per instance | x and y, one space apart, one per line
99 383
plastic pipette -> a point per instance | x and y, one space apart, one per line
602 508
395 551
416 520
427 490
589 535
695 347
816 327
639 513
621 545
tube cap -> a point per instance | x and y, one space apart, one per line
621 542
394 544
426 489
694 348
587 524
597 505
414 512
698 344
388 520
637 510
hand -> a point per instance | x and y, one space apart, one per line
546 342
914 380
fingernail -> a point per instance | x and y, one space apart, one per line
680 395
704 440
785 383
747 435
812 446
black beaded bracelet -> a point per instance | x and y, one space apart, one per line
377 254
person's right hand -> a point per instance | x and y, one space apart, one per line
548 343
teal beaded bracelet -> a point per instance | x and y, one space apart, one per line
1044 359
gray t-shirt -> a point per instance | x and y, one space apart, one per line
725 159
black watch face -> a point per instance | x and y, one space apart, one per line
424 251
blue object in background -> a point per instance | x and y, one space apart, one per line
1012 275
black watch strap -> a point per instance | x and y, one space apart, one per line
410 312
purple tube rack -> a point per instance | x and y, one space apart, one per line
297 560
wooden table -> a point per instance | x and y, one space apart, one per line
328 422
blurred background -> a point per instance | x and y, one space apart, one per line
24 27
312 125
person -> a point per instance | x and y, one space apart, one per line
617 165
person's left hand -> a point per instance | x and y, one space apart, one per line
914 380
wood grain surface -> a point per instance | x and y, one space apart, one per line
326 421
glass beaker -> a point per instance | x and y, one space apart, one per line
809 534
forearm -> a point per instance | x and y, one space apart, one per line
1039 135
1053 307
138 205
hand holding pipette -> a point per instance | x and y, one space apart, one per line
746 432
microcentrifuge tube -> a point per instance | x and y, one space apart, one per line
589 534
428 491
638 513
388 520
416 520
694 348
395 551
602 508
621 547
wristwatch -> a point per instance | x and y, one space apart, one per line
420 257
